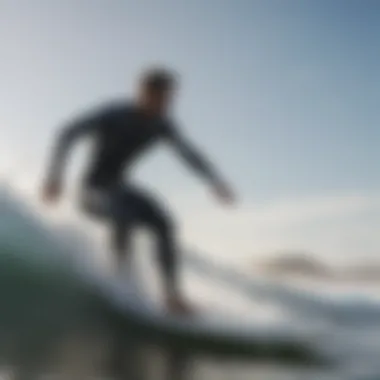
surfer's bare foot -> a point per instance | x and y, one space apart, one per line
178 306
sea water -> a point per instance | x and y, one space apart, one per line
48 329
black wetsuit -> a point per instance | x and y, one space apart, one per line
121 132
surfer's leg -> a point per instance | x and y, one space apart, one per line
110 205
149 213
165 235
121 243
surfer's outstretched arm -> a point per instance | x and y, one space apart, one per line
67 137
199 163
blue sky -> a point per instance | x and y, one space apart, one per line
283 94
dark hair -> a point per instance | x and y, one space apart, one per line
158 79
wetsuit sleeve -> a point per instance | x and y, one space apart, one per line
70 134
190 154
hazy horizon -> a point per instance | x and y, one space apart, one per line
282 96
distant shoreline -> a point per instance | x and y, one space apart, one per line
304 265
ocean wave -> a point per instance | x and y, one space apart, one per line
47 296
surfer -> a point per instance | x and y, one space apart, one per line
122 131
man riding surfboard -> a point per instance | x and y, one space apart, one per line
122 131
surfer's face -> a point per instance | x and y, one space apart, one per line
156 101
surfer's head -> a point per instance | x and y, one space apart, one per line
156 89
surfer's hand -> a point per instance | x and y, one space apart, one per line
224 193
51 192
178 306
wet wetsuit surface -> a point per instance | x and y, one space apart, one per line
121 133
